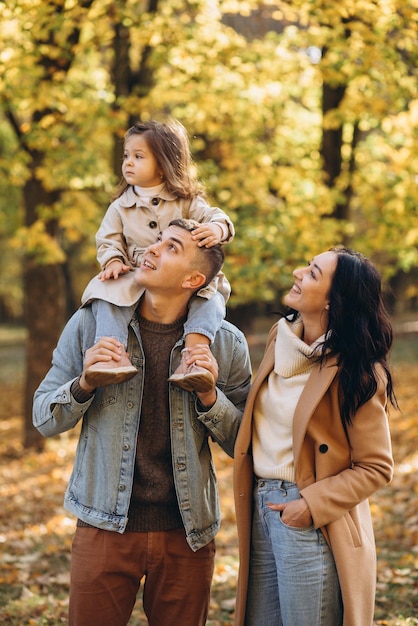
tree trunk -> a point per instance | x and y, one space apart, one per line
332 140
45 317
44 285
45 307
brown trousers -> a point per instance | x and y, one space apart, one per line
107 568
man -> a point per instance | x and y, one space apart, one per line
143 486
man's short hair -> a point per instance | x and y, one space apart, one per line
209 261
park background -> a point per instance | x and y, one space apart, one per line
303 121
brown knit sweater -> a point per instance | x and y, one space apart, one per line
153 502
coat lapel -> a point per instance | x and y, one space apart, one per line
315 388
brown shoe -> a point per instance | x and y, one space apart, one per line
110 372
192 377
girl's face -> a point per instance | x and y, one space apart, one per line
139 165
310 292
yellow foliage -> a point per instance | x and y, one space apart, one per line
253 106
39 244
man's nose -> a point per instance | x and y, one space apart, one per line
154 247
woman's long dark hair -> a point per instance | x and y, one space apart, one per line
359 331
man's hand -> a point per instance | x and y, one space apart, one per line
113 270
203 357
207 234
106 349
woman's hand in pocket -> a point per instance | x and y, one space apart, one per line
295 513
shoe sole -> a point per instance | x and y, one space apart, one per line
194 382
101 378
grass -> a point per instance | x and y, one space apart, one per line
36 532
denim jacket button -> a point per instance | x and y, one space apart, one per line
122 487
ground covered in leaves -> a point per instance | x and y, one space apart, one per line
36 532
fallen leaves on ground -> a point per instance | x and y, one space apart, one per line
36 532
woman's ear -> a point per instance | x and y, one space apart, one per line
327 306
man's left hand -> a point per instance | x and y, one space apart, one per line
202 356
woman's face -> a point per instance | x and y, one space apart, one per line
310 292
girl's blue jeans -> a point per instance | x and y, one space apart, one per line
293 580
204 317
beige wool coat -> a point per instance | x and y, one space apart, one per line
132 224
334 474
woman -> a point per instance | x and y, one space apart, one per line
313 445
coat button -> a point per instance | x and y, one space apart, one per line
323 448
153 224
155 201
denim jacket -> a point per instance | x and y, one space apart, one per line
100 486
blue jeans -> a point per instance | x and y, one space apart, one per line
293 580
204 317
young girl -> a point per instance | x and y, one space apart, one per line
158 186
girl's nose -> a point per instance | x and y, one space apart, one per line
297 273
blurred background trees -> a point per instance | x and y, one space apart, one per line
303 118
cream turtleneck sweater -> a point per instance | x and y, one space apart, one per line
276 402
146 193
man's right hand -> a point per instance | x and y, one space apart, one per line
106 349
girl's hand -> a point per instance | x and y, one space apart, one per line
113 270
208 234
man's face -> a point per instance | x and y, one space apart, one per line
168 262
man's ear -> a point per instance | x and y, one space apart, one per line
194 281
